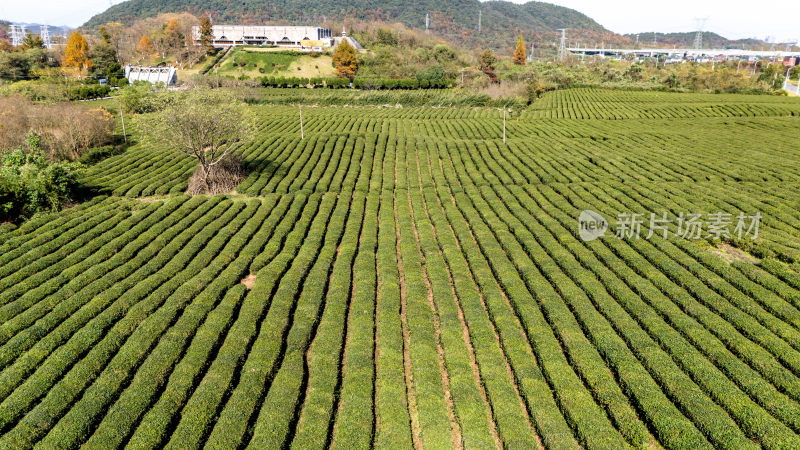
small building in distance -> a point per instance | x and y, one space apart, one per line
167 75
299 37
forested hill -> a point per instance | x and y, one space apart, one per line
453 18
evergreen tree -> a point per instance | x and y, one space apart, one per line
102 56
487 65
32 41
519 52
345 61
206 34
105 35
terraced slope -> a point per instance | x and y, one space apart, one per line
417 283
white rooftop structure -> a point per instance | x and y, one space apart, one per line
167 75
282 36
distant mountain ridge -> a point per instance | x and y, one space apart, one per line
35 28
686 40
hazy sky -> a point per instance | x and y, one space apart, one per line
732 19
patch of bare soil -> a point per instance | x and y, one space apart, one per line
732 254
249 281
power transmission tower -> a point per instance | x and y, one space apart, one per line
637 41
44 33
562 47
480 16
427 22
698 38
17 35
13 30
655 40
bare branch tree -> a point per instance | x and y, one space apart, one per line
204 124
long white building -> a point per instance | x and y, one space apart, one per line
282 36
167 75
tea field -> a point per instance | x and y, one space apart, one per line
401 278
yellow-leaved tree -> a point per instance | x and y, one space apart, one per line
145 46
345 61
76 54
519 52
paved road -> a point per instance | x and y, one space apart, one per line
791 88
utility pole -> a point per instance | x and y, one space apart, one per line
122 117
480 16
504 125
637 41
427 22
302 134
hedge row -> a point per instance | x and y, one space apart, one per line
358 83
324 357
200 411
156 291
239 415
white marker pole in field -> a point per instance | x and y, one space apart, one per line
504 125
302 134
122 116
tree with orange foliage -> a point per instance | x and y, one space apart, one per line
145 46
345 61
519 52
76 53
172 35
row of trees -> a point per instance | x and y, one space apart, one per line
163 39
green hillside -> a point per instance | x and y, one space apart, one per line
258 62
458 18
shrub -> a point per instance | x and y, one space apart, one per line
66 130
143 99
30 183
